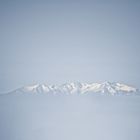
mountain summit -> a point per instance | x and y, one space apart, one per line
104 88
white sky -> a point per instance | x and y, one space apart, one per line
58 42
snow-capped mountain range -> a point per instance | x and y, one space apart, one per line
104 88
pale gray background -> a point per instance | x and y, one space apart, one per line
58 41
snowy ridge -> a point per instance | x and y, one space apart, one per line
109 88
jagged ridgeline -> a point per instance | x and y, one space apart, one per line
104 88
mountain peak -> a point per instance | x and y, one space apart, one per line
109 88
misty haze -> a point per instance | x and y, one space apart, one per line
70 70
69 117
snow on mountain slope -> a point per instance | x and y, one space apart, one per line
82 88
